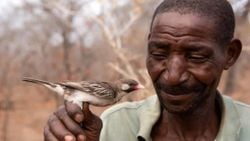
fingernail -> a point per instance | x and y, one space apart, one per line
69 138
81 138
78 118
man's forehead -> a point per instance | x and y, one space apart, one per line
175 31
177 25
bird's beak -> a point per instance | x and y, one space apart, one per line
139 86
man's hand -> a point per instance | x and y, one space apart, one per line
70 123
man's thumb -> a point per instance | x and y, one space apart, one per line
90 121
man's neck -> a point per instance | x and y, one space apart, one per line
202 124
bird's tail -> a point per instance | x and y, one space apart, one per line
37 81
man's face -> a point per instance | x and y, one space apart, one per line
184 61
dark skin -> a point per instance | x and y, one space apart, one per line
185 63
70 123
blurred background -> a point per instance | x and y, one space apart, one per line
60 40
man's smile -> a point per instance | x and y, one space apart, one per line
179 99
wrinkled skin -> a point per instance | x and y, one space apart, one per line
70 123
184 61
185 64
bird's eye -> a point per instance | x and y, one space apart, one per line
125 87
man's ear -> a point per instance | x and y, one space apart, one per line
233 51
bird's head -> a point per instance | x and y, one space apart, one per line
129 85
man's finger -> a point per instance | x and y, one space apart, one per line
91 122
89 117
48 136
81 138
86 112
74 111
58 129
71 125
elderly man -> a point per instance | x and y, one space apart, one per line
190 44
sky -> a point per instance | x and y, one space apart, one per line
7 6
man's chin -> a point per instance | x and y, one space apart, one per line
181 104
179 110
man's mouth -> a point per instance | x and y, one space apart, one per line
181 90
176 99
173 94
177 93
179 97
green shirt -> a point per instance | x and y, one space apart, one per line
133 121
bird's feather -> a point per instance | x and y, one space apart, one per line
94 92
38 81
99 89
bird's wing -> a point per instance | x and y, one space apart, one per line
99 89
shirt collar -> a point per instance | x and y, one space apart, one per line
148 116
229 128
230 124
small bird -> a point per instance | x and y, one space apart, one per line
93 92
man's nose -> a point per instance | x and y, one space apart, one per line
176 70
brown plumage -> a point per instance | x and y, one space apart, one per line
94 92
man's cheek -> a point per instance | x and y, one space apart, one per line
154 68
206 74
